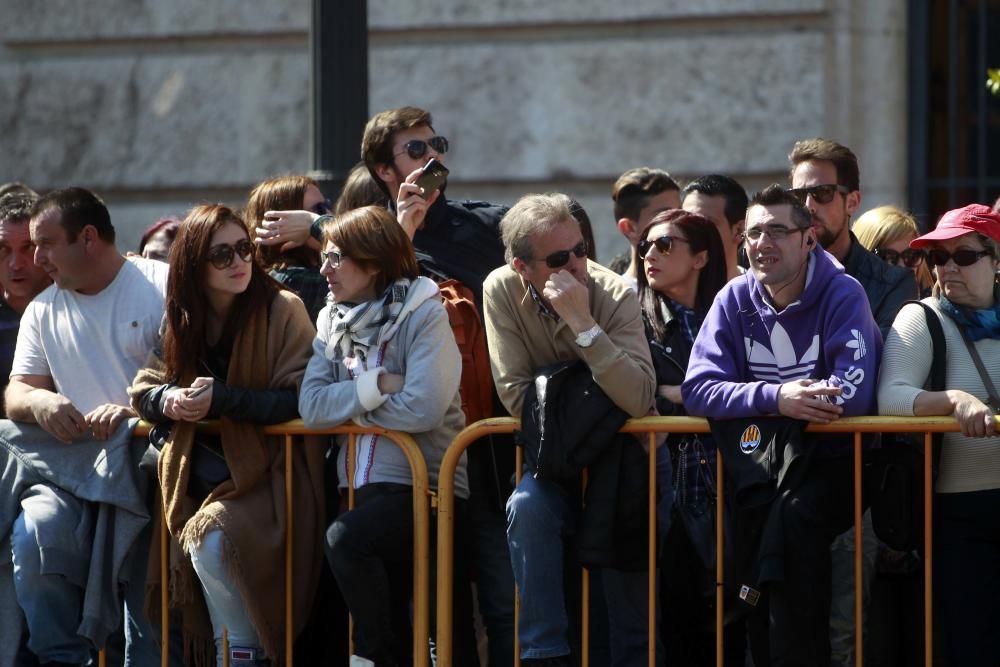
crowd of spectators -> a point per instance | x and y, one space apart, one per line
762 313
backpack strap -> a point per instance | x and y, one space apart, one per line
940 347
936 379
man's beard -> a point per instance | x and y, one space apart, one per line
825 236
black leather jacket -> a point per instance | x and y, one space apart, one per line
568 423
888 287
670 360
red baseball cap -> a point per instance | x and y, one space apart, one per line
959 221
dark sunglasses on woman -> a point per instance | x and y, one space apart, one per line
938 257
221 256
417 148
561 257
664 245
911 257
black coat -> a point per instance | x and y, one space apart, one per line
568 424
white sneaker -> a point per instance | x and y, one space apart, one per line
358 661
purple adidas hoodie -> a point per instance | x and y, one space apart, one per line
745 350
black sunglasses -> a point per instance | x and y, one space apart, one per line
561 257
417 148
221 256
911 257
938 257
321 207
664 245
821 194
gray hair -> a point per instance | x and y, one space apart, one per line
532 214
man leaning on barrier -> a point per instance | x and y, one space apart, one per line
550 304
73 501
793 337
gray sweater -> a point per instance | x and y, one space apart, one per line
429 408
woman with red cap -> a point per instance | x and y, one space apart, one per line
964 252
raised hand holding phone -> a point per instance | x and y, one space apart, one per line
420 190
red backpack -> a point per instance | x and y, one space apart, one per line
477 379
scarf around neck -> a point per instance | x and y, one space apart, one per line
359 329
978 324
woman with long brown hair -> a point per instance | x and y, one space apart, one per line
683 266
235 347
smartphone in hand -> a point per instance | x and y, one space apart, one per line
432 177
199 390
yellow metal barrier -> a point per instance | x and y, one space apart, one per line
421 535
651 426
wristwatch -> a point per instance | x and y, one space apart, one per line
586 338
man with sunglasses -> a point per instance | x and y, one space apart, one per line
825 177
459 240
793 337
80 344
550 304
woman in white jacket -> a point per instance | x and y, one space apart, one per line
384 356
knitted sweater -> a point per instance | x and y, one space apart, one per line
967 464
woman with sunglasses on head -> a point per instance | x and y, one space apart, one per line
964 252
234 348
683 268
887 232
384 356
292 261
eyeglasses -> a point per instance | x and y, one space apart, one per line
821 194
321 207
664 245
776 232
333 257
221 256
417 148
911 257
938 257
561 257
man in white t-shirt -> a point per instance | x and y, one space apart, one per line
80 344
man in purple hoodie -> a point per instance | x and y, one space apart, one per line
793 337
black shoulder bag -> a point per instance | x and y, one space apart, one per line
894 474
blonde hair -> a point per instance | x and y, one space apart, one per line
888 224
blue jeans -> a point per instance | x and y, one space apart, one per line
51 601
540 516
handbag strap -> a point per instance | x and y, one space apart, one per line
978 361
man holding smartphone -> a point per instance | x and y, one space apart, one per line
459 240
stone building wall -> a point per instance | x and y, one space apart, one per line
160 105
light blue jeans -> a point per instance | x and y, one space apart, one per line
51 600
539 518
225 606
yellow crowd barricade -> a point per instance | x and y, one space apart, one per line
652 426
421 535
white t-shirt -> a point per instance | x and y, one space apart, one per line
93 345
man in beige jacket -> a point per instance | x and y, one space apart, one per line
550 304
